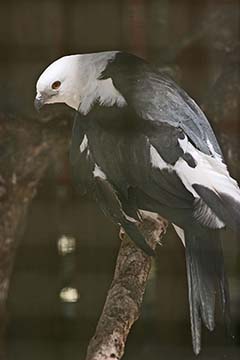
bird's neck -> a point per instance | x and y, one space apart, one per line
101 92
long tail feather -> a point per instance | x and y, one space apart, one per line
206 276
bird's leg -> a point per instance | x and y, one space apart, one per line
122 233
155 221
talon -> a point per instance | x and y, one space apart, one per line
122 233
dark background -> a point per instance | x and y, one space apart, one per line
41 324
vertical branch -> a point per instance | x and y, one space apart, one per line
125 296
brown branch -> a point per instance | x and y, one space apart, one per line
125 296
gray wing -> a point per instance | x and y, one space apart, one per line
157 98
100 189
168 103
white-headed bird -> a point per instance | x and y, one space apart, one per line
140 143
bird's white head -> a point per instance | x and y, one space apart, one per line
75 81
58 83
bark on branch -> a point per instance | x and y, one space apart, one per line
124 299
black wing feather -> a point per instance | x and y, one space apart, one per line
206 278
156 97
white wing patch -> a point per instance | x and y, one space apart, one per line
84 144
210 171
183 143
97 172
213 152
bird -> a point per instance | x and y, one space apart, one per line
141 143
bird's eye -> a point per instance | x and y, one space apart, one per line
56 85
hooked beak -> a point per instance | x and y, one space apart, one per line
39 102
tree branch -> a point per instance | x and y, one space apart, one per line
124 299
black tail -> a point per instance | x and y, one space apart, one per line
206 278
